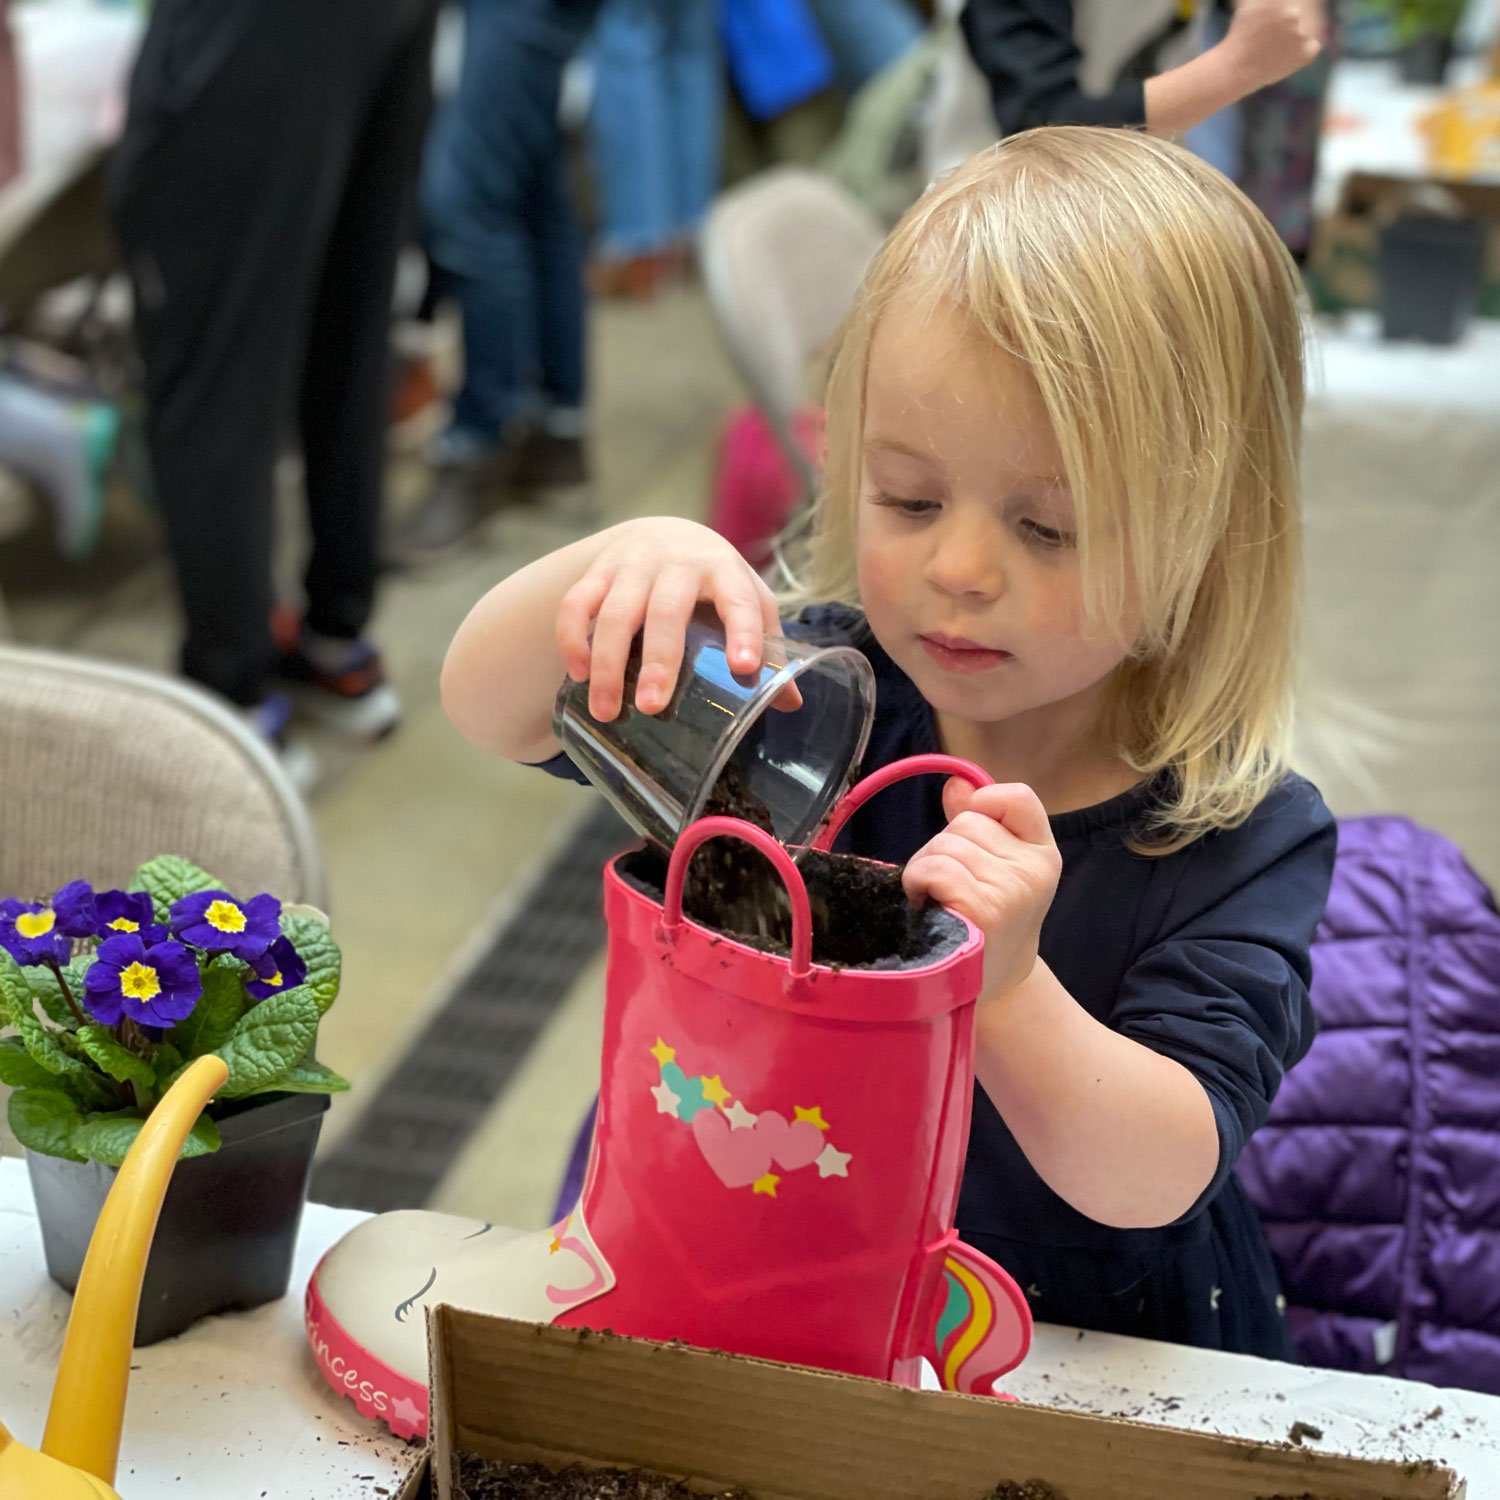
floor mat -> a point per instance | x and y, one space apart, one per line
413 1129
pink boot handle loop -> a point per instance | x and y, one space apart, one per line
712 828
898 770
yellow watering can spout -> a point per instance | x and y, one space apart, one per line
82 1441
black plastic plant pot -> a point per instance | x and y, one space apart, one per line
228 1227
1425 58
1431 272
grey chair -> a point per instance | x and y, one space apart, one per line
783 255
104 766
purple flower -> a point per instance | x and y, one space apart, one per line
280 968
128 911
158 986
74 905
217 923
30 933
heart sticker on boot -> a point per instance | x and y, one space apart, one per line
738 1157
792 1146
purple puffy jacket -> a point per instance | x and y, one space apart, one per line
1378 1172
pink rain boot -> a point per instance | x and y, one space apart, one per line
774 1171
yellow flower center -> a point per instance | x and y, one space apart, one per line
35 924
274 979
139 981
226 916
124 924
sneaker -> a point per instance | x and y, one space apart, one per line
339 683
463 496
549 460
271 720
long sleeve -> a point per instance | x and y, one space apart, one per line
1224 990
1027 53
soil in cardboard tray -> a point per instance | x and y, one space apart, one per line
490 1479
861 917
493 1479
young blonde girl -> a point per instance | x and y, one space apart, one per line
1061 519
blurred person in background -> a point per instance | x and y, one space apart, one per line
1268 142
504 242
1099 62
10 101
864 37
260 192
656 138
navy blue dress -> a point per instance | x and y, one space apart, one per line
1201 955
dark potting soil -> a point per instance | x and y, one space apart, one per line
490 1479
493 1479
861 917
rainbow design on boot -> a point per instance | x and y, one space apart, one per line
972 1337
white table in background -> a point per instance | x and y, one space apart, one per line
234 1409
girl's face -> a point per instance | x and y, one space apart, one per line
967 555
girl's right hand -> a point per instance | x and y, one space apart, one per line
655 573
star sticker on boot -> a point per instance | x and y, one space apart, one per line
813 1116
406 1411
663 1053
714 1091
766 1185
739 1117
833 1163
666 1100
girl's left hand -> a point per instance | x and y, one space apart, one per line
995 863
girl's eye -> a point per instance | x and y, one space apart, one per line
913 508
1045 536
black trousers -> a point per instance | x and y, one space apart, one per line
261 194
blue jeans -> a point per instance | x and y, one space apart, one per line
498 214
656 129
864 36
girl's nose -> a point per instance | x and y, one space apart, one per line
965 561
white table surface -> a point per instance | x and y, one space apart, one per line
235 1408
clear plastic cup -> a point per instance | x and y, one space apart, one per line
780 766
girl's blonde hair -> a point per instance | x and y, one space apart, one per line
1160 317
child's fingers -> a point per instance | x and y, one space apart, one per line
575 618
615 628
940 875
674 597
1016 807
739 605
957 794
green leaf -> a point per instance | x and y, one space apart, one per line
15 993
106 1138
47 1046
101 1044
168 1064
168 878
214 1016
46 990
308 1077
268 1041
314 942
46 1120
20 1070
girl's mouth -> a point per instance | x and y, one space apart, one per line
956 654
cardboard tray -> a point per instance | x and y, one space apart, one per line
528 1393
1345 249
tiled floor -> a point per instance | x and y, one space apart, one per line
428 840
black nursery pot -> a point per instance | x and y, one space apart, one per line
1425 58
228 1227
1431 274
